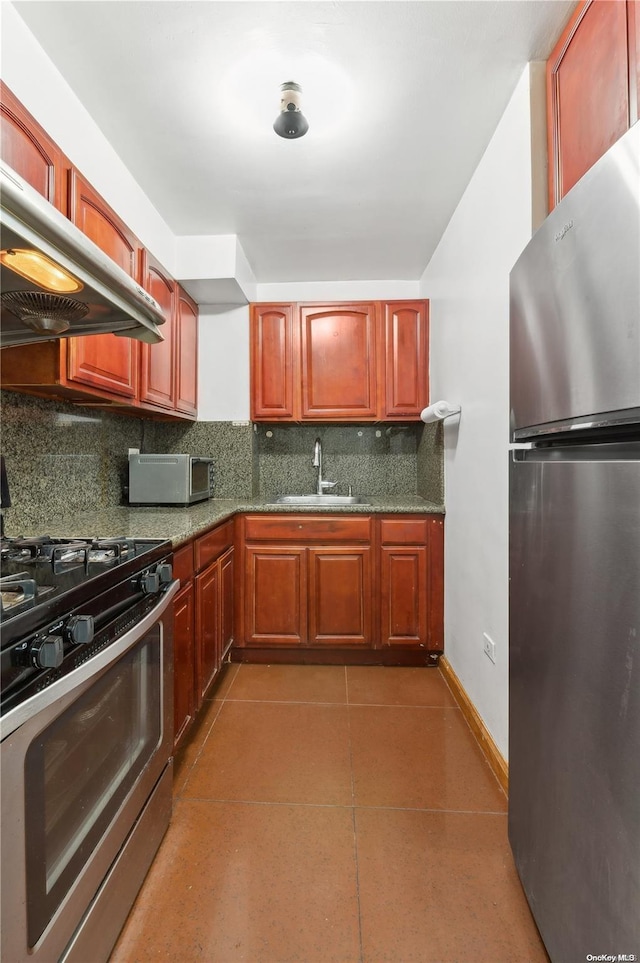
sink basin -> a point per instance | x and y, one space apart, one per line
319 500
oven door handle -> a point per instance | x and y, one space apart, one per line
81 676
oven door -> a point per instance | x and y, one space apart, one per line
79 766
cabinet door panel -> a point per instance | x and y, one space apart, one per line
104 360
186 399
406 358
435 615
31 153
273 347
226 602
207 627
158 361
339 366
588 92
184 698
276 596
340 594
403 600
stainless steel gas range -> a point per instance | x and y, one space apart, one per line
86 732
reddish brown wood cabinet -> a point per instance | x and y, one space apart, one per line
204 619
214 603
340 596
307 581
363 361
340 377
29 150
158 361
158 378
274 363
593 81
411 581
311 585
275 595
104 361
186 355
406 343
184 644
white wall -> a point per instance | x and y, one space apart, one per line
338 291
467 281
40 86
223 363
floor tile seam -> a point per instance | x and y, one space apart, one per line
431 809
266 802
232 683
200 750
353 823
286 702
396 705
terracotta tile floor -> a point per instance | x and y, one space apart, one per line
325 813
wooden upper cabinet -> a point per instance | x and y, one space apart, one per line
274 350
158 362
28 149
363 361
103 360
406 343
339 362
186 340
592 89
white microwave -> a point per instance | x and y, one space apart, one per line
169 479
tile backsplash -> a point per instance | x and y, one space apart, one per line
63 458
372 459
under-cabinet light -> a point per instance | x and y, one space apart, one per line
40 269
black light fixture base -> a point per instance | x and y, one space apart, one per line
290 122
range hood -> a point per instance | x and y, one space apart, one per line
79 290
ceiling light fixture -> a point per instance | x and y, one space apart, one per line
290 122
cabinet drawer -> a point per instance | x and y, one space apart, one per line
183 563
403 531
213 544
308 528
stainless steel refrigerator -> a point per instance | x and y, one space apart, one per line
574 703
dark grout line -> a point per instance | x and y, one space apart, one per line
353 822
354 807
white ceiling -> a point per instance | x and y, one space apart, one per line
187 92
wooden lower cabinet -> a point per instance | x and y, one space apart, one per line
351 589
203 621
275 591
340 596
412 582
320 584
184 693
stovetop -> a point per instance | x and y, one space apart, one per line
37 573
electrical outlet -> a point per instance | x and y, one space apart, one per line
489 647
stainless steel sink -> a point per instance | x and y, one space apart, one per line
319 500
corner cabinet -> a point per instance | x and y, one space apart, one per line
352 589
593 88
361 361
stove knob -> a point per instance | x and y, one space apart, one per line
150 583
165 572
47 653
79 629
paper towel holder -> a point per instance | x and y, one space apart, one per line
439 410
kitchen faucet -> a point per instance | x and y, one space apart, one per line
317 463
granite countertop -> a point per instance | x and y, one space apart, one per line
181 524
